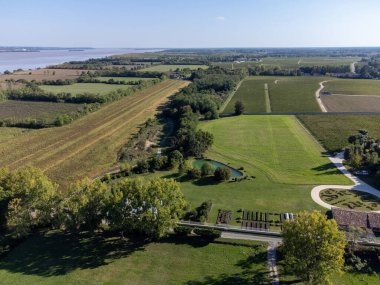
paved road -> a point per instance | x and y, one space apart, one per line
359 185
232 235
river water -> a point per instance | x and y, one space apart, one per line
30 60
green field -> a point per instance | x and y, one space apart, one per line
125 79
285 161
353 86
47 111
287 94
333 130
167 67
251 92
57 258
292 62
80 88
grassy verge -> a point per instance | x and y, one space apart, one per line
80 88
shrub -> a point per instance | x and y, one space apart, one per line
175 159
222 174
194 173
239 108
206 169
208 233
182 230
142 166
203 211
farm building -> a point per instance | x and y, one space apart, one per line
365 220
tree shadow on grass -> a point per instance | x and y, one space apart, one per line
58 253
206 181
250 273
327 169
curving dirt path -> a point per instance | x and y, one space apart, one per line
359 185
318 96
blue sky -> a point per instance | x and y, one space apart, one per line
195 23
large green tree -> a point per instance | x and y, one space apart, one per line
149 207
84 205
28 199
313 247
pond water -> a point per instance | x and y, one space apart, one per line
215 164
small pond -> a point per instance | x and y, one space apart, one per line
215 164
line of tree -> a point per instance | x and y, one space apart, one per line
29 201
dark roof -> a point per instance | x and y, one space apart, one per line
346 218
374 220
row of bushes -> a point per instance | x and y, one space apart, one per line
220 174
206 233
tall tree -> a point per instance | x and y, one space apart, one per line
313 247
28 199
149 207
239 108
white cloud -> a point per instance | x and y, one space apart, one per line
220 18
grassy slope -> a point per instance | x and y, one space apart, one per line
333 130
90 144
353 86
37 110
9 133
251 92
277 151
164 67
77 88
61 259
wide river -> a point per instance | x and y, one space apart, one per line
30 60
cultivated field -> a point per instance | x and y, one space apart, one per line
165 67
347 103
90 144
251 92
286 94
282 161
60 259
292 62
80 88
333 130
47 111
9 133
44 73
353 86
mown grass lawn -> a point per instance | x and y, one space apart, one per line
56 258
80 88
353 86
285 161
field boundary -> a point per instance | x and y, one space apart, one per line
229 98
267 99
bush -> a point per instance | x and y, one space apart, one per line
194 173
222 174
182 230
206 169
203 211
208 233
141 167
239 108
